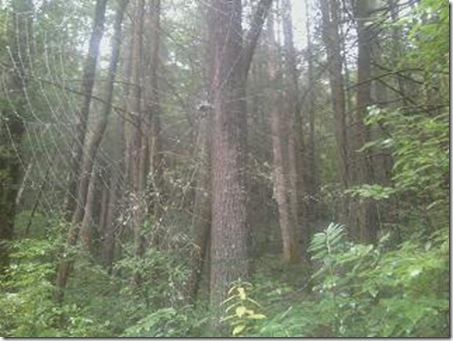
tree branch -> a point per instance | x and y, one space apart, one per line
253 34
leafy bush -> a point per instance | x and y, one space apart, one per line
27 308
399 293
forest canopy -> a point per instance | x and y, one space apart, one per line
258 168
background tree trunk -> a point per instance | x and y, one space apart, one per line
89 73
331 37
298 160
155 179
281 165
92 145
364 216
137 146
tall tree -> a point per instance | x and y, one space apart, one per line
281 166
201 218
298 159
364 216
152 108
89 73
312 179
12 128
331 38
231 60
137 144
81 115
95 138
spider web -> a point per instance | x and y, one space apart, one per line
55 49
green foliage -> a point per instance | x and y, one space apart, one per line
375 191
429 32
362 290
368 292
27 308
420 175
163 272
164 322
241 309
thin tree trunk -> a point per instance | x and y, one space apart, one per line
22 185
364 216
201 219
89 73
331 38
137 146
92 146
312 178
153 118
280 165
87 221
297 158
104 206
108 246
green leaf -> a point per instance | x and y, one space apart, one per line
240 311
238 329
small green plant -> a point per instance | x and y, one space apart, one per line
241 310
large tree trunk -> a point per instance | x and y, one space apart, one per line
280 164
12 126
229 197
89 73
229 230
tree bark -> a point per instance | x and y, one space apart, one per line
364 217
281 165
297 158
231 64
137 146
201 220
